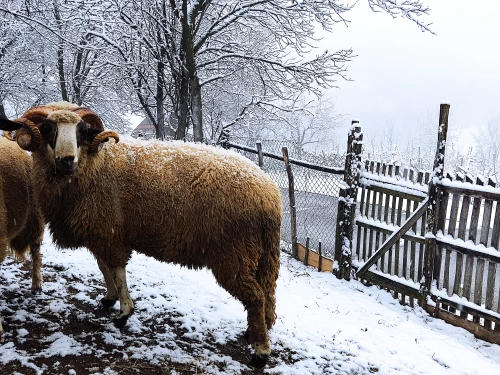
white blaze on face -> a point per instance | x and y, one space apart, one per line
66 143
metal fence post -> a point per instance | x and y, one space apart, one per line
347 203
434 205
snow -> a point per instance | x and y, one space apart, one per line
480 248
324 325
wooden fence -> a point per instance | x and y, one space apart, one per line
432 239
427 237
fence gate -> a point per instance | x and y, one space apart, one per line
432 239
391 224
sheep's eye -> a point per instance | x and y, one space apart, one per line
49 132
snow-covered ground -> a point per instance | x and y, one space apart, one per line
324 325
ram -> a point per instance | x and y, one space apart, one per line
21 225
190 204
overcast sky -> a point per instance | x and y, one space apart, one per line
402 74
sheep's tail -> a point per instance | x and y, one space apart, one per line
269 265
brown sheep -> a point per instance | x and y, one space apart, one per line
190 204
21 225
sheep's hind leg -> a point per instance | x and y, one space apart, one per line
250 293
111 296
126 303
36 268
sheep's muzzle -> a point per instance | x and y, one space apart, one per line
65 166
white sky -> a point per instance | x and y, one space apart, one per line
402 74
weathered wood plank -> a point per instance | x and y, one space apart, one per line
492 257
474 221
485 231
373 225
396 245
459 258
384 235
361 205
421 247
471 191
394 237
485 225
447 261
387 283
454 211
477 330
478 285
313 259
490 289
443 209
495 234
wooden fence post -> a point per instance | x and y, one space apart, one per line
306 255
434 206
259 153
347 203
291 196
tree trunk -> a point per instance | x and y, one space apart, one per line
60 56
196 109
190 90
2 111
183 109
160 111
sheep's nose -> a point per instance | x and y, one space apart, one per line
66 164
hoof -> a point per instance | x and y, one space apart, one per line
108 303
258 361
37 290
121 321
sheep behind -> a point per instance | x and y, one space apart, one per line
21 224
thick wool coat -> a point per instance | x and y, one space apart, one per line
21 225
190 204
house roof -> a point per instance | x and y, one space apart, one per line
144 125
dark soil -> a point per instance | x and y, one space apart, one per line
85 322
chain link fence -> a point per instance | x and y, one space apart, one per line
316 192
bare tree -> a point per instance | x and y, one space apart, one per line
487 149
175 54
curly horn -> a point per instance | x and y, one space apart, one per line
102 137
39 113
28 137
89 117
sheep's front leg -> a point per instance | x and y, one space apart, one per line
126 303
111 296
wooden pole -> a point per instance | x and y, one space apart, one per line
306 255
320 257
434 205
259 153
347 203
291 196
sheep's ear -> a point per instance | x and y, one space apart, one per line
9 125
